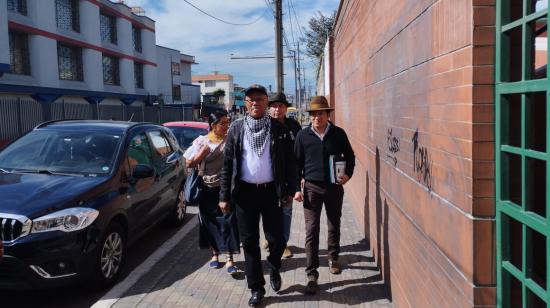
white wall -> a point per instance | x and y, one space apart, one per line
4 37
165 79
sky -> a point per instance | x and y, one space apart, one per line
180 26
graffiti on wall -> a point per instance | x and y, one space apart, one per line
393 146
422 162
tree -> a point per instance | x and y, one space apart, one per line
320 27
219 93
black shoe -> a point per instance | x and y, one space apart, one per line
256 298
311 287
275 280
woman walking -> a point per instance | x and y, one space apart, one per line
218 231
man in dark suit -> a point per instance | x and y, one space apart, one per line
259 170
314 147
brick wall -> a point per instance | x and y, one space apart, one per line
413 88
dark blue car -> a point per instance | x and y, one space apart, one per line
75 194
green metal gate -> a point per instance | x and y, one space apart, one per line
522 153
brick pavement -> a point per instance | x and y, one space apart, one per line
183 279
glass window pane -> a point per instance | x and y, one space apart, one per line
535 122
511 120
110 70
535 186
512 292
67 14
535 6
512 47
69 62
512 11
136 36
534 301
108 28
18 6
161 145
536 257
19 53
511 178
512 241
176 93
537 51
138 75
139 151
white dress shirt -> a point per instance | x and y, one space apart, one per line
253 169
318 134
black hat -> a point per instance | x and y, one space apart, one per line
255 87
278 98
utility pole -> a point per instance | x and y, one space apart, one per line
299 92
279 78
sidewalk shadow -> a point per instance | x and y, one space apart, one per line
361 246
359 291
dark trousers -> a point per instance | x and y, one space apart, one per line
315 195
252 202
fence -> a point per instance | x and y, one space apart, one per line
17 116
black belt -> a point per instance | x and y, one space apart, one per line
262 185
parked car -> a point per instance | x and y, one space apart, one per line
187 131
75 194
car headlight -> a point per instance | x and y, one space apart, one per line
67 220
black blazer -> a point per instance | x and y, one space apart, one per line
283 162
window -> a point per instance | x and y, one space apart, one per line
161 145
138 75
19 54
67 14
139 151
176 93
210 83
136 36
69 61
108 28
522 154
18 6
175 68
110 70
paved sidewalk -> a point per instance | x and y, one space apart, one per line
183 279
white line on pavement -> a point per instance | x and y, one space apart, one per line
120 288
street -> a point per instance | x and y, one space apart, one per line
80 295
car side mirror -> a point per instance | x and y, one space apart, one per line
143 171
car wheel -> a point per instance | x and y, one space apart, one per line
111 256
179 211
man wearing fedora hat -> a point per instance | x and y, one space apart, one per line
259 170
278 106
313 148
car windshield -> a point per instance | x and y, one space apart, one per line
186 135
82 153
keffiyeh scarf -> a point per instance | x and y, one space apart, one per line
256 131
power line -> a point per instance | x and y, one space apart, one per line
270 7
224 21
291 26
296 18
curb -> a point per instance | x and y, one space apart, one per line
120 288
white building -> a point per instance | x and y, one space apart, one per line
83 50
174 77
213 82
174 81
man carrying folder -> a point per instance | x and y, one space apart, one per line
316 149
